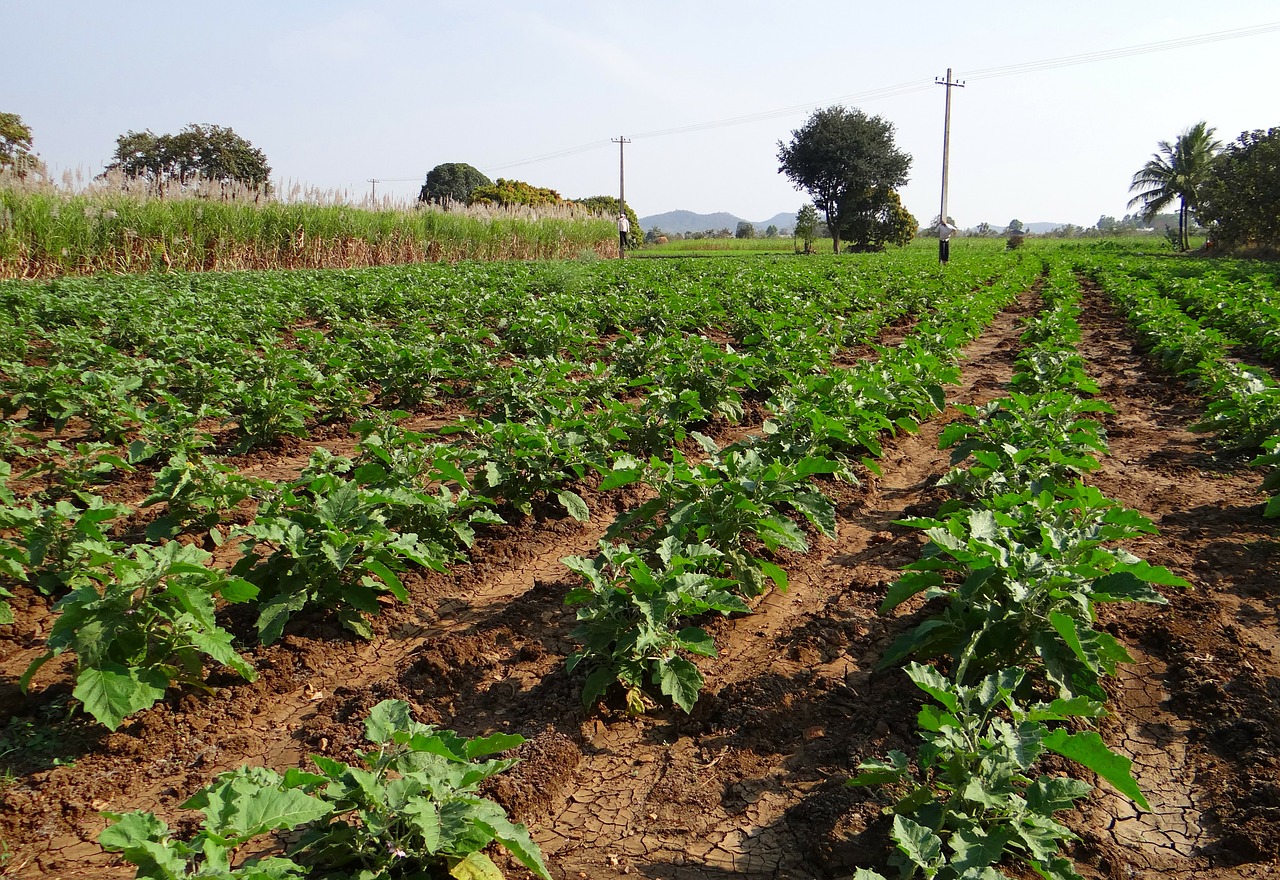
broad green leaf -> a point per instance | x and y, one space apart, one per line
681 681
907 586
111 692
775 573
935 684
696 639
476 866
574 505
491 744
1049 794
217 645
388 577
386 718
973 848
425 818
517 841
918 843
1089 750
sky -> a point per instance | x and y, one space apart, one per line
338 93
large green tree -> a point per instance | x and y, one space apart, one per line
452 182
198 152
509 193
1176 171
891 223
1240 199
608 205
848 164
15 144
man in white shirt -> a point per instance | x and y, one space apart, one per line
623 228
945 231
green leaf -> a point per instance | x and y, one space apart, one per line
1089 750
111 692
425 818
775 573
907 586
386 719
696 639
388 577
574 505
476 866
918 843
491 744
518 842
681 681
974 848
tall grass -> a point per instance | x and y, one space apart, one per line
123 226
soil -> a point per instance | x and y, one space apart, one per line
751 784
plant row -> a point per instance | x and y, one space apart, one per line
706 540
1243 401
139 611
1018 562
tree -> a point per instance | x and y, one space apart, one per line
847 161
452 182
1015 227
1176 172
1240 198
771 231
889 224
745 230
608 205
514 192
198 152
982 230
807 226
15 145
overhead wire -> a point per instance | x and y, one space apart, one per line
906 89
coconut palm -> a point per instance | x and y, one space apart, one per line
1176 172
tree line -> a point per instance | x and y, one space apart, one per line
844 159
1232 190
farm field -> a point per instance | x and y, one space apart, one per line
381 473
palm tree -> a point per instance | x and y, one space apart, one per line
1176 172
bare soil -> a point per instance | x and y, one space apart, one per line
751 783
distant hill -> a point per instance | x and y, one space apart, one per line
688 221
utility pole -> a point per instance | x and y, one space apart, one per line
622 187
944 244
374 195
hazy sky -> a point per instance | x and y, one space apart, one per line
336 93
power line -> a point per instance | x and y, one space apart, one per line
1124 52
906 89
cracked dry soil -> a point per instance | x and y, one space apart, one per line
751 784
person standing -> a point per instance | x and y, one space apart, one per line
945 232
624 227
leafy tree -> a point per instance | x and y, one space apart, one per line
608 205
198 152
514 192
891 223
15 145
771 231
452 182
807 226
745 230
1015 227
982 230
1177 171
1240 198
1108 225
847 162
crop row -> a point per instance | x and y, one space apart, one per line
1019 561
1243 401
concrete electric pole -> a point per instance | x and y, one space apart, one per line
944 244
622 187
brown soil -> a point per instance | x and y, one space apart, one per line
751 784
